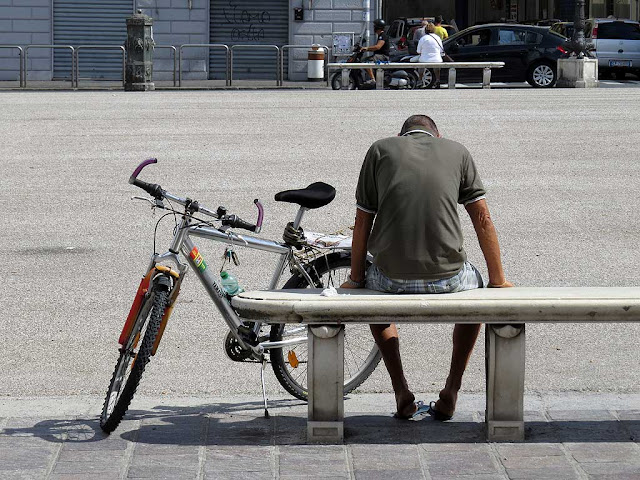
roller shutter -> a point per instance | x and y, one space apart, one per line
248 22
90 22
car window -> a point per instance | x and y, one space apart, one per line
619 31
511 36
393 29
587 29
559 36
476 38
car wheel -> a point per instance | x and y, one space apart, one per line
428 79
542 75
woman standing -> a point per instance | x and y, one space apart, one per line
430 49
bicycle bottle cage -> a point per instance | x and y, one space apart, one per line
316 195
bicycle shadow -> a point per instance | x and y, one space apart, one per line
236 424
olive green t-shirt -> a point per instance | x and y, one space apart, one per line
413 185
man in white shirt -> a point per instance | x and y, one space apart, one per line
430 49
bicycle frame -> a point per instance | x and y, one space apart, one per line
183 244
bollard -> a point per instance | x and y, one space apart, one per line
139 45
315 64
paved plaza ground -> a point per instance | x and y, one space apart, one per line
561 170
569 436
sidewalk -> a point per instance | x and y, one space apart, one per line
574 436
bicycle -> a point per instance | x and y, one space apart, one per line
313 259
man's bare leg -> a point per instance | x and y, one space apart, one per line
386 337
371 75
464 339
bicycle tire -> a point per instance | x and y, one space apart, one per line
335 267
121 390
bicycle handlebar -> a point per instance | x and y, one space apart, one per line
157 192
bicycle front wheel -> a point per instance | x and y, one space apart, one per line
361 355
133 360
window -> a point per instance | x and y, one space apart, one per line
475 39
619 31
393 30
511 36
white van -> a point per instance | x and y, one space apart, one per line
617 44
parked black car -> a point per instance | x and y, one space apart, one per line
529 52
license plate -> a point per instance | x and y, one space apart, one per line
619 63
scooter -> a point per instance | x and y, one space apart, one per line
359 79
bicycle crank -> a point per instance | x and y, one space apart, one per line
234 350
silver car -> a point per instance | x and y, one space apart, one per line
617 44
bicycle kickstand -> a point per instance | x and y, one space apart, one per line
264 388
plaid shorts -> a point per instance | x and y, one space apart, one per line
466 279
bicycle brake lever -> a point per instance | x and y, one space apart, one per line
154 203
135 197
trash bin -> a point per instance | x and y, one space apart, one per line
315 64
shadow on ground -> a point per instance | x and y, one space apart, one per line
245 424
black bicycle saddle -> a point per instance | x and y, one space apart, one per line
316 195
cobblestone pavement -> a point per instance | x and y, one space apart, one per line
229 438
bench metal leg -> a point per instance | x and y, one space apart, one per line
379 79
325 379
452 78
486 78
505 349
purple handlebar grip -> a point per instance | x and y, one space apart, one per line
139 168
260 214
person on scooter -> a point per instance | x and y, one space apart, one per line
381 48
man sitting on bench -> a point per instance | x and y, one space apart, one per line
411 185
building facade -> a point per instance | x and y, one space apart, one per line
230 22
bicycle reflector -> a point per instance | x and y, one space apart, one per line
293 359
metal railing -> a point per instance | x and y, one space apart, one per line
287 47
229 54
270 47
20 61
175 60
51 47
452 66
210 46
99 47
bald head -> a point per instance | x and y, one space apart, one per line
421 122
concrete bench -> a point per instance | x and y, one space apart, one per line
504 311
451 66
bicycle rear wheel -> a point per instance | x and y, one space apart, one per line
133 360
361 355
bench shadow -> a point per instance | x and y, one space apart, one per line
244 424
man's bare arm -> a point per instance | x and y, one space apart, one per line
364 222
374 48
488 239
